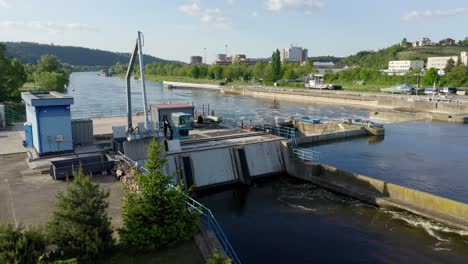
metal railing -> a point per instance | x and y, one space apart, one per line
306 154
286 132
206 218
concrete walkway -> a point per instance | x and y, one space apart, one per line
29 197
11 140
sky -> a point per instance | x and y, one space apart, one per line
178 29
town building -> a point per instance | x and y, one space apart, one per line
464 58
448 42
295 54
195 60
404 65
439 62
221 57
425 42
238 57
323 65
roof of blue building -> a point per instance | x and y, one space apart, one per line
46 98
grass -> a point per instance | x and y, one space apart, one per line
184 252
158 78
430 51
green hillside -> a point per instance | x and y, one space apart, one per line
429 51
28 52
379 59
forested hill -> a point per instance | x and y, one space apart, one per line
28 52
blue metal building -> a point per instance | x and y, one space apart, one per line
48 122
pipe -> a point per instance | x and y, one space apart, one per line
142 75
128 90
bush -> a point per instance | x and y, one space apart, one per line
21 245
157 215
79 225
219 258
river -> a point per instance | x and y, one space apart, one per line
287 221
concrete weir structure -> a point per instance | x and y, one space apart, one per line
226 159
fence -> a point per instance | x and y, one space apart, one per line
207 216
80 114
12 116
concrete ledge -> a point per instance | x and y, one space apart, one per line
380 193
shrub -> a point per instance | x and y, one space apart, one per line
79 225
157 215
219 258
20 244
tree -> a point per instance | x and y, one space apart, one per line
276 64
48 63
218 258
195 72
458 76
404 43
79 224
12 76
450 65
52 81
21 245
157 215
430 77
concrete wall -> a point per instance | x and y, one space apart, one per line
378 192
213 167
223 165
136 149
310 129
264 158
332 136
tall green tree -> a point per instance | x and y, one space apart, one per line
79 224
48 63
276 64
21 245
458 76
431 77
12 76
52 81
157 215
450 65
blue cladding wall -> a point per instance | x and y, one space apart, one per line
54 127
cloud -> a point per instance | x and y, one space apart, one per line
210 16
4 4
254 14
434 13
50 27
294 5
231 2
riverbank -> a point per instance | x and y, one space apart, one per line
450 109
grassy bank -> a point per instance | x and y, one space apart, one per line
185 252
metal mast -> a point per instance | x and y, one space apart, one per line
142 75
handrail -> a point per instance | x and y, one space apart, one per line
306 154
209 220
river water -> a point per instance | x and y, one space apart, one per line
288 221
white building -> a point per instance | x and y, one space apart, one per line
464 58
440 62
296 54
404 65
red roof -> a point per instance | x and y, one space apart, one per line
171 106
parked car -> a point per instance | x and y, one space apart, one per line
449 90
431 90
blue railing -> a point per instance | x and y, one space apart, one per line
206 216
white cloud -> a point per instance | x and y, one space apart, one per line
435 13
5 4
192 8
254 14
50 27
231 2
210 16
294 5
